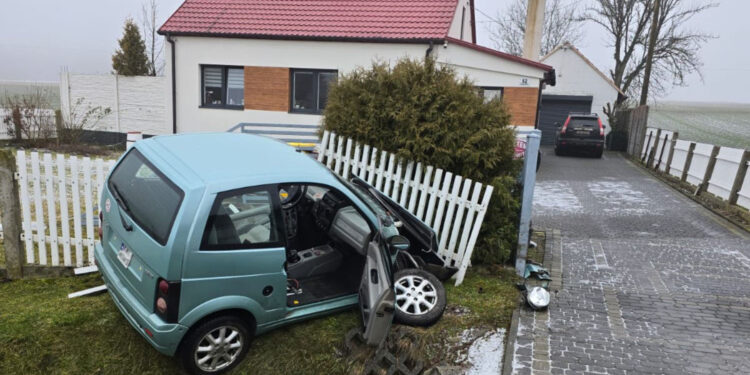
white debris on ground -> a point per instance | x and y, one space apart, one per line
554 197
621 197
486 353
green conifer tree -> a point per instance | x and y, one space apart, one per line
130 59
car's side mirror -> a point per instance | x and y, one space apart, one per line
604 126
397 243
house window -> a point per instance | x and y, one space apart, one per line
310 89
491 93
223 87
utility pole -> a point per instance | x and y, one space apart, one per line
532 38
650 54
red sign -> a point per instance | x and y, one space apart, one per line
520 149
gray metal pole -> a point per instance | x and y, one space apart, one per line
528 177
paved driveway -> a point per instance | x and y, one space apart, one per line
652 282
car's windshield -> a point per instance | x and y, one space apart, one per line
365 196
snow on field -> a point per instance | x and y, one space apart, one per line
621 197
551 197
719 124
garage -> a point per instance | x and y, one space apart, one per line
555 108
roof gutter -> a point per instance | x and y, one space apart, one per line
174 85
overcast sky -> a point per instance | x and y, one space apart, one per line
39 37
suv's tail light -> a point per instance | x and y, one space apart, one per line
565 126
601 127
167 300
100 231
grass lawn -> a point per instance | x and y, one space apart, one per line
41 331
719 124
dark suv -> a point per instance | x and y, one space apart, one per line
581 131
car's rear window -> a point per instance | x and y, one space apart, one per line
152 200
583 122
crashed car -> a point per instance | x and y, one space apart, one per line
210 239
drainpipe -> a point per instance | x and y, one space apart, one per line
174 86
429 51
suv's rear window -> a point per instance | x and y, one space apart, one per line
585 122
152 200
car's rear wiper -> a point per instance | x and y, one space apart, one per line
121 203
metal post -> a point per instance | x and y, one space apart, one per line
688 161
652 152
648 143
675 135
11 212
709 171
734 194
661 153
529 179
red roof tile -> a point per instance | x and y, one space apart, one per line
315 19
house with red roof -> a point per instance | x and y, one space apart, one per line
271 62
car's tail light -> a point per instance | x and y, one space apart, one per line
167 300
100 231
601 127
565 126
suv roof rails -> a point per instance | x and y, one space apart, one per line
587 114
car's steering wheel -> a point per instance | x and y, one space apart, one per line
290 195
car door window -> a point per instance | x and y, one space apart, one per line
377 298
242 219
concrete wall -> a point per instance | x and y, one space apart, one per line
576 77
137 103
192 52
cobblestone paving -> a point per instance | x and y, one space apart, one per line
651 282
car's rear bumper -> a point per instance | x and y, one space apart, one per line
591 144
165 337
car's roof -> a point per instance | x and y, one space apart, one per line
219 157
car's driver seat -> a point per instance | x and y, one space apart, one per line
222 230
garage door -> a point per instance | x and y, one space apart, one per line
555 108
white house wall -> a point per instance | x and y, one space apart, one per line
192 52
576 77
455 29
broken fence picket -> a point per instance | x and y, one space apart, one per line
451 205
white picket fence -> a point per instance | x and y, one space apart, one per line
59 195
450 205
728 163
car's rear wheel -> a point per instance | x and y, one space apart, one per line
420 297
216 346
558 151
598 154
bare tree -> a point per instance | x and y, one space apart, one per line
676 52
560 24
154 44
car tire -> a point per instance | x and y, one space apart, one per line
420 297
235 332
598 154
558 151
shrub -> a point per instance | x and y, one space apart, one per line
422 111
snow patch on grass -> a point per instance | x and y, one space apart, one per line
486 353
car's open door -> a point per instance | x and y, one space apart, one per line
376 295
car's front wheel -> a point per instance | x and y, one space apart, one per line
216 346
420 297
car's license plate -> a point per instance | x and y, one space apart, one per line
124 255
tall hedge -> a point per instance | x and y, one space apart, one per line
423 111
